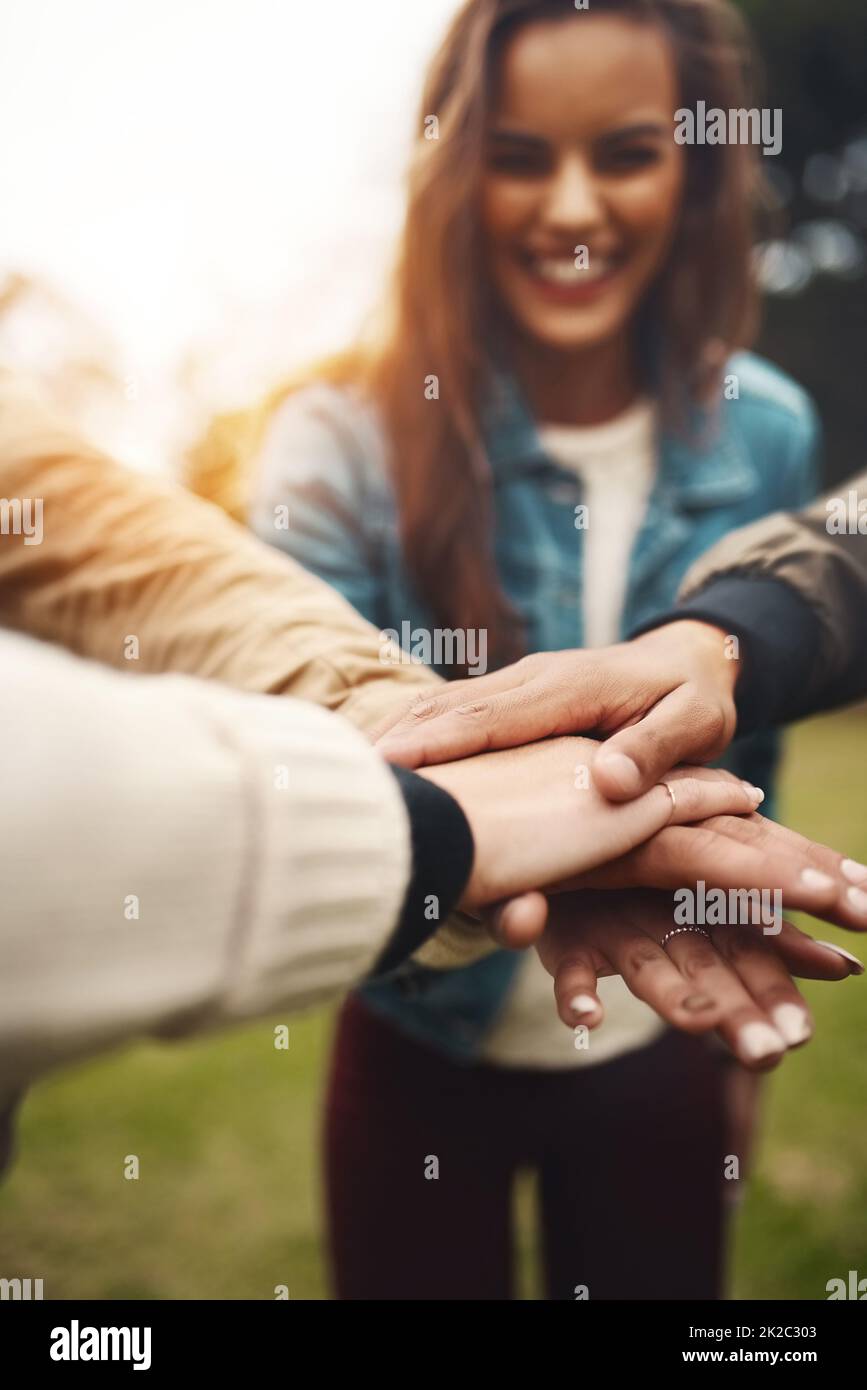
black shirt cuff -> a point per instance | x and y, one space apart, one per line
780 637
442 861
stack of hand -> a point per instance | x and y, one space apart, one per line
610 830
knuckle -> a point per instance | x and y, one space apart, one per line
703 842
675 1002
639 959
573 963
530 666
700 959
687 793
739 948
475 711
424 707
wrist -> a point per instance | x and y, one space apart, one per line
443 854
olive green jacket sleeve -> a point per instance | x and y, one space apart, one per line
796 585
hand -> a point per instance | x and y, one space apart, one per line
727 979
666 698
744 852
724 852
537 817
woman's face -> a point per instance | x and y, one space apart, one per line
581 153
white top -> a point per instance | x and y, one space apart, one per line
616 463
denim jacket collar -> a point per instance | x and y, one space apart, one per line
712 471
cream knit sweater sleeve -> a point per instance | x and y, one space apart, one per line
175 855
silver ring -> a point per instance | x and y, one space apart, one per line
676 931
670 789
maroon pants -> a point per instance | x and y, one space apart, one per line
629 1154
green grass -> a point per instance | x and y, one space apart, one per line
227 1203
805 1219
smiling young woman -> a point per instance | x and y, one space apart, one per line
578 283
556 131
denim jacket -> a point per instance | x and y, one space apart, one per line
326 459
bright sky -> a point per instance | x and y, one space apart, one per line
178 165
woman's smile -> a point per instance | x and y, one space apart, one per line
570 279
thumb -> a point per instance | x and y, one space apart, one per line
684 727
518 922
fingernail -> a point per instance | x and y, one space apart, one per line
759 1040
857 966
854 872
857 900
583 1004
697 1003
812 878
624 770
758 794
793 1023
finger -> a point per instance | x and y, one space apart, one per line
575 991
734 854
518 923
539 697
685 726
764 975
813 960
742 1023
652 976
410 740
635 822
612 831
812 877
856 966
698 798
483 724
460 720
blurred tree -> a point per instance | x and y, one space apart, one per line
814 54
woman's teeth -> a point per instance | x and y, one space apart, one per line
564 271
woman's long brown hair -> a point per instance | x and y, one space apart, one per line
439 316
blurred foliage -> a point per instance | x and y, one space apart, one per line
819 338
814 55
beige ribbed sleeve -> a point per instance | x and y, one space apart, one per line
175 856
